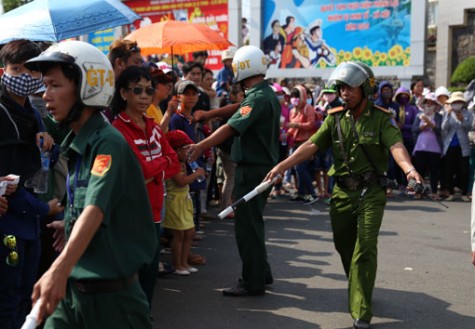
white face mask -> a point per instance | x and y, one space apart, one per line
430 109
457 107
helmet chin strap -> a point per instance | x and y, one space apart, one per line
73 115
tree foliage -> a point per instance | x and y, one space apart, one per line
12 4
465 72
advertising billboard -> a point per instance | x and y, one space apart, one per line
214 13
320 34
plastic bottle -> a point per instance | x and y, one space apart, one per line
283 137
194 165
209 164
43 174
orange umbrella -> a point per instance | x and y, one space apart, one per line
176 37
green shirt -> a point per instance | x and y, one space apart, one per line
257 125
377 132
105 173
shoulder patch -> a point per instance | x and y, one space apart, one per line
245 110
101 165
382 109
335 110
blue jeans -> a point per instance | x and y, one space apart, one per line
304 178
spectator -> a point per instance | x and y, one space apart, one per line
133 92
207 87
428 149
124 53
20 131
417 88
200 57
179 206
225 75
456 124
301 127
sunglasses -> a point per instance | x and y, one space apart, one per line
134 49
139 90
10 242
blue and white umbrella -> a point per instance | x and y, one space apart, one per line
56 20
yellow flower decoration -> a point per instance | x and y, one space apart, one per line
367 54
357 52
347 56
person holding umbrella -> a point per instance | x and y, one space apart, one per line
108 225
255 150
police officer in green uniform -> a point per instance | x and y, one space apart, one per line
108 225
255 151
360 135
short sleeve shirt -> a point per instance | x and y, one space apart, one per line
105 173
377 132
257 125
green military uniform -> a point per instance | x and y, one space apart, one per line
255 151
105 173
356 215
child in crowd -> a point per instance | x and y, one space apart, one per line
179 207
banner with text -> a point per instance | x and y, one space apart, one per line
320 34
214 13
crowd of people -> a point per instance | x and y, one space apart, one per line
140 151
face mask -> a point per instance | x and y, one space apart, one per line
403 100
309 101
22 85
329 97
280 97
430 109
457 107
295 101
387 94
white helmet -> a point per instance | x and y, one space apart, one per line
249 61
96 82
228 53
442 91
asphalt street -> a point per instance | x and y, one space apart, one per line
425 277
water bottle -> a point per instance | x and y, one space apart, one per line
194 165
43 174
209 164
283 137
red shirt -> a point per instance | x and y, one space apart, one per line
156 157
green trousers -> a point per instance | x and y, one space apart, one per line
356 221
126 309
249 227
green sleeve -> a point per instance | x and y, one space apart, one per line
390 132
323 137
241 121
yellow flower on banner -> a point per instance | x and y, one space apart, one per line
357 52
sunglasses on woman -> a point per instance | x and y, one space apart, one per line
139 90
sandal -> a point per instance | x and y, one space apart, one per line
195 259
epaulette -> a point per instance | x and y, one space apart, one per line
336 110
382 109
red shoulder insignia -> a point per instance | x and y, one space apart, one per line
101 165
336 110
382 109
245 110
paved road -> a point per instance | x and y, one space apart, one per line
425 278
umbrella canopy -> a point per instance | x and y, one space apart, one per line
176 37
55 20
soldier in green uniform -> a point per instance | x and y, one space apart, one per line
108 225
360 135
255 151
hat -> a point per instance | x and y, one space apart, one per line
442 91
165 67
286 91
457 96
277 88
228 53
431 97
177 138
158 76
181 86
328 90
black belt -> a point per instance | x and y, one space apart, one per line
103 286
356 182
